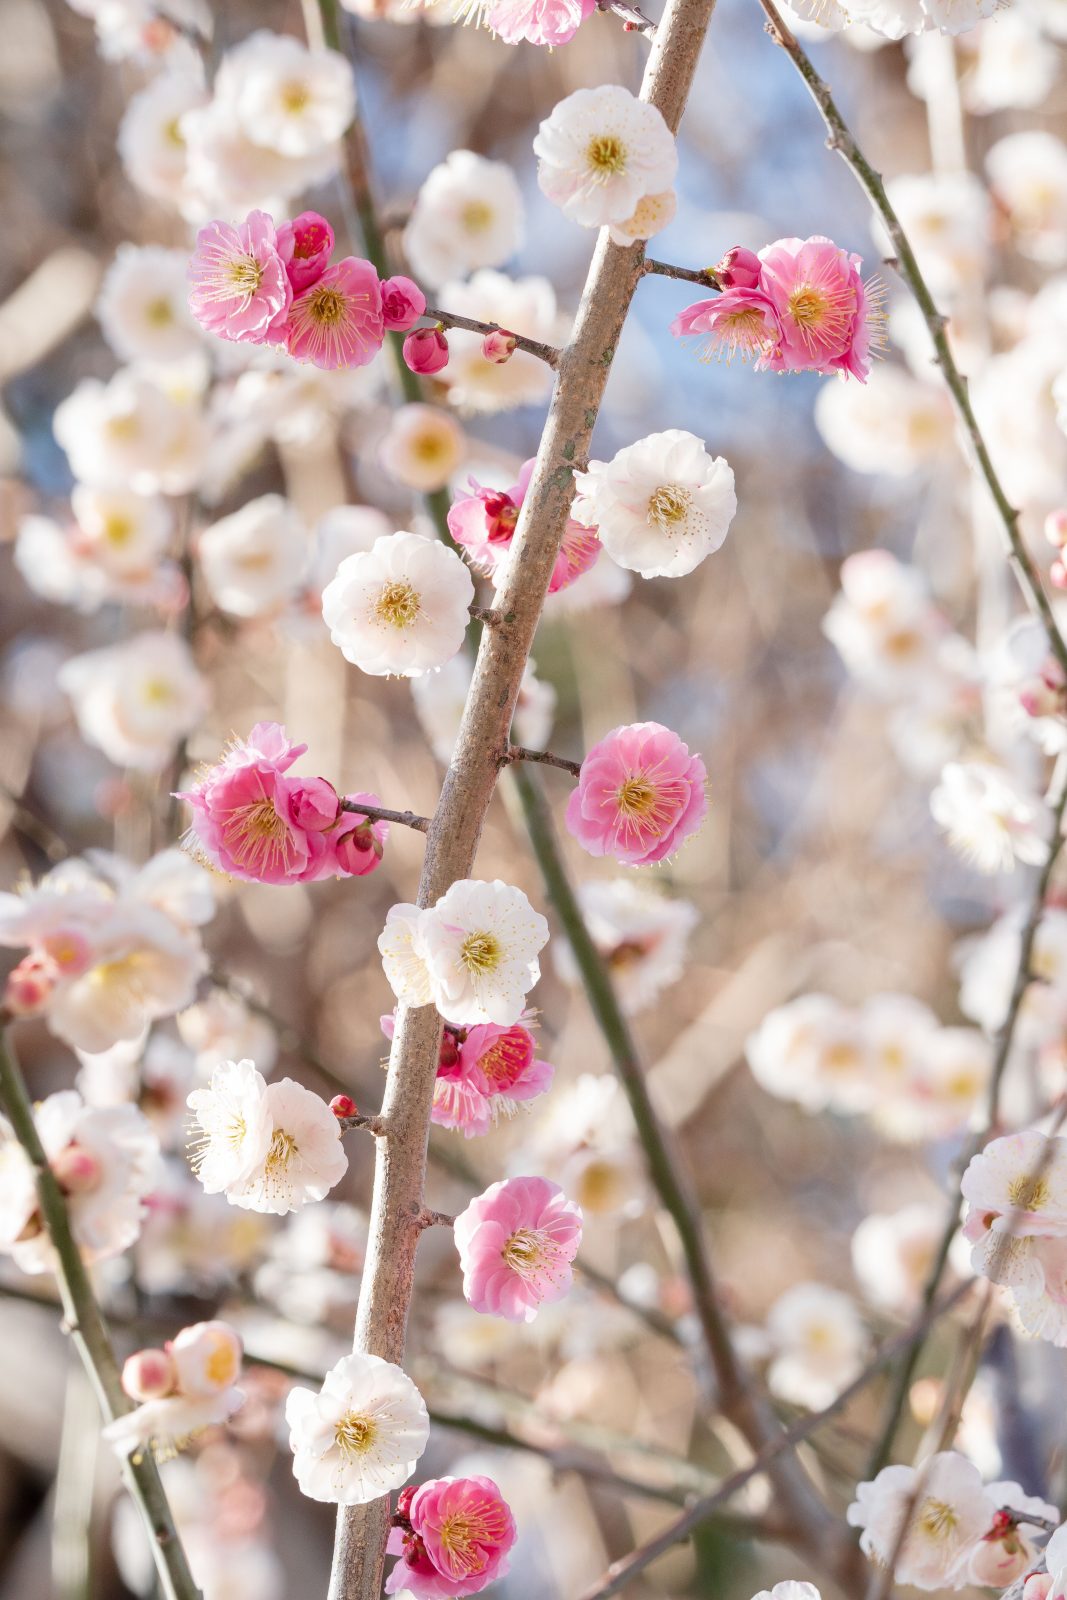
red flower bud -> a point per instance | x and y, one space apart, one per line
343 1105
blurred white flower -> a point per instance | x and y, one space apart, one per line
286 97
601 151
361 1435
253 560
467 214
641 934
893 1252
401 608
819 1343
136 432
1016 65
143 305
150 138
948 219
222 1027
990 819
135 701
813 1051
894 423
883 622
423 447
1028 173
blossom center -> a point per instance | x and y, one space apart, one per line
937 1518
282 1150
327 307
159 313
354 1434
464 1535
157 692
1028 1193
807 306
606 155
398 604
480 953
477 216
117 529
637 797
255 835
245 275
295 97
524 1251
669 506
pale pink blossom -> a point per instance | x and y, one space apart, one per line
640 794
516 1243
547 22
337 322
305 245
454 1539
240 287
484 522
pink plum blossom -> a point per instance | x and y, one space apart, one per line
254 821
305 245
484 523
337 322
547 22
426 350
240 286
739 322
482 1071
640 794
403 303
453 1535
516 1243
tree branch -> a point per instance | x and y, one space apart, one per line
407 819
450 319
519 752
702 275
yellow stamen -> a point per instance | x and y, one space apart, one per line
398 604
355 1433
480 953
606 154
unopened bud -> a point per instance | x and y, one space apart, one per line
149 1375
426 350
76 1170
343 1105
449 1050
314 805
29 986
499 346
997 1562
207 1357
403 1501
1056 528
739 269
1038 1586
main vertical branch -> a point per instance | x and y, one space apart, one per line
454 833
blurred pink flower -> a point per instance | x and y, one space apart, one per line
460 1533
403 303
240 287
640 794
338 321
305 245
548 22
516 1243
484 523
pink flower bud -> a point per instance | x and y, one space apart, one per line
314 804
426 350
29 986
358 852
998 1560
739 269
149 1375
1056 528
69 950
403 1501
343 1105
498 346
76 1170
305 245
403 303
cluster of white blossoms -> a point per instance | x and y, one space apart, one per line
607 158
181 1390
118 947
659 506
890 1060
1016 1192
473 954
939 1524
266 1147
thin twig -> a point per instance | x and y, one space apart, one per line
375 1125
407 819
548 353
519 752
702 275
842 140
632 17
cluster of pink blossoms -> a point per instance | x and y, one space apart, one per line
640 795
798 306
257 284
484 523
254 821
482 1071
453 1536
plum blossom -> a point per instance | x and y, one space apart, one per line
240 288
1008 1549
484 520
423 447
484 1071
468 214
480 944
254 559
819 1344
136 700
990 819
150 140
361 1435
660 506
454 1540
305 245
267 1147
143 305
337 321
143 430
812 1050
516 1243
892 1253
287 98
114 549
789 1590
403 303
640 795
183 1389
601 152
400 608
883 622
104 1162
1028 175
896 423
652 213
641 934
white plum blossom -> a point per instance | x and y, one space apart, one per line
165 1426
818 1341
136 700
812 1050
660 506
402 958
467 214
789 1590
267 1147
150 138
894 423
892 1253
883 622
1004 1556
125 434
947 1511
286 97
103 1159
642 936
400 608
651 215
1017 1185
948 219
143 306
526 306
361 1435
586 1142
990 819
423 447
1028 173
601 152
113 550
222 1027
253 560
1016 66
988 965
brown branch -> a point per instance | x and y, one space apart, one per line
519 752
547 353
702 275
407 819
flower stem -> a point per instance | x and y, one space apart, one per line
702 275
406 819
519 752
85 1324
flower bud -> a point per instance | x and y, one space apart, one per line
149 1375
29 986
998 1561
314 805
404 1499
403 303
207 1357
449 1050
305 245
738 269
498 346
76 1170
343 1105
1056 528
426 350
359 851
1038 1586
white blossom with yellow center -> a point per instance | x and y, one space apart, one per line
361 1435
401 607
